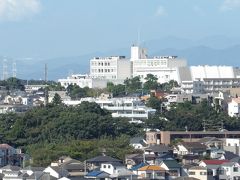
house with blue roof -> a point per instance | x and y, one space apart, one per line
96 174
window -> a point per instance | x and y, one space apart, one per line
235 169
104 166
191 173
148 175
109 166
203 173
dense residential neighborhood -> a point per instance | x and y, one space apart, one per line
112 124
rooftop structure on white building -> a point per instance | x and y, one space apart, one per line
209 79
165 68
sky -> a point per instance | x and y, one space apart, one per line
56 28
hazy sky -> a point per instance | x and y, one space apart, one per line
53 28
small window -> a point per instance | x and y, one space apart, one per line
235 169
104 166
191 173
109 166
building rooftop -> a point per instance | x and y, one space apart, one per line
151 168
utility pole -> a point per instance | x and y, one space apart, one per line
46 91
14 70
5 70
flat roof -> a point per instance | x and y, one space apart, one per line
200 132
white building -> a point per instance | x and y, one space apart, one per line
165 68
208 79
110 68
83 80
131 108
234 107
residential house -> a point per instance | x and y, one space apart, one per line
10 155
9 168
229 170
173 169
56 172
31 170
151 172
14 175
202 173
232 145
135 168
213 165
184 148
227 155
116 170
96 162
138 142
97 174
234 107
74 167
212 142
190 158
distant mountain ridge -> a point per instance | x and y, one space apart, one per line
216 50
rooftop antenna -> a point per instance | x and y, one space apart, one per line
138 39
14 69
5 70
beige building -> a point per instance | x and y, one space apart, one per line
200 173
110 68
166 137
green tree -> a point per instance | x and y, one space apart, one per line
133 84
154 103
151 82
116 90
57 100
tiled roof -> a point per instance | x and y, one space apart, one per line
229 155
136 167
151 168
97 174
5 146
12 168
193 145
158 148
237 100
171 163
215 162
209 139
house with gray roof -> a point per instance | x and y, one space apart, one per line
138 142
173 168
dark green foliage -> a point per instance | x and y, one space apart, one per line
154 103
151 82
57 99
55 87
133 84
190 116
116 90
47 132
13 84
80 149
